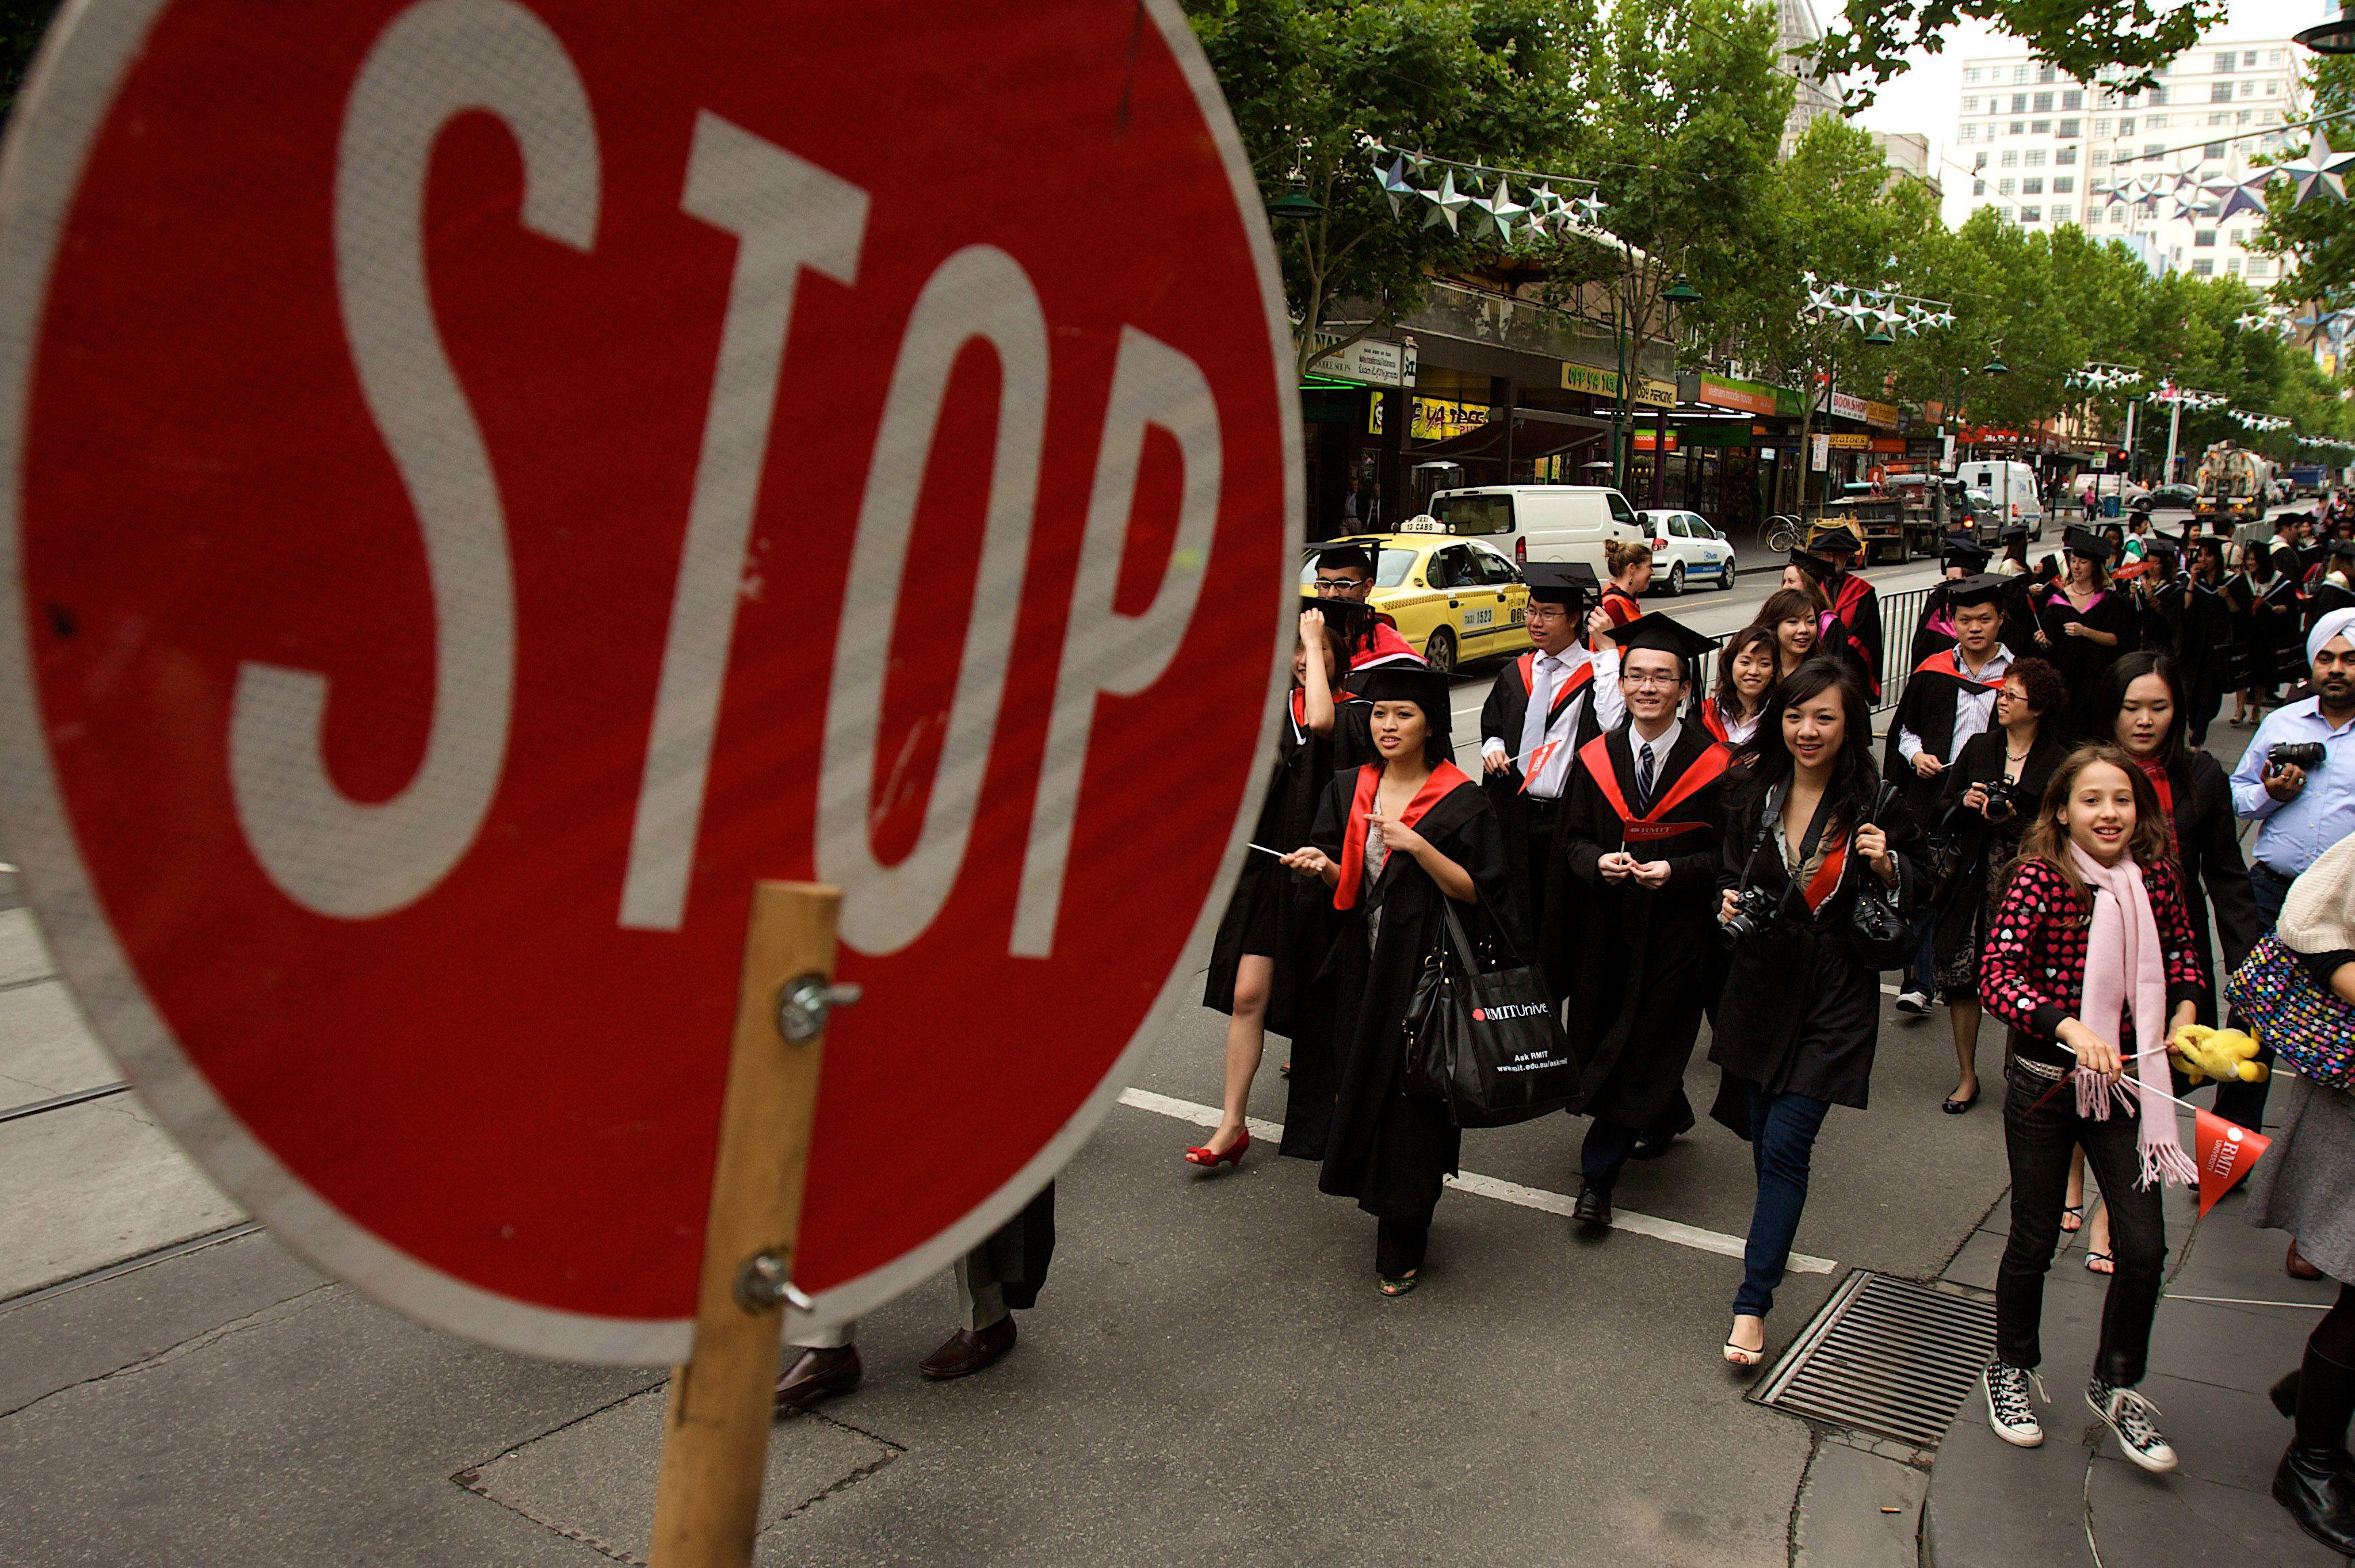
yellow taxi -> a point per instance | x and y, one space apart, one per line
1454 599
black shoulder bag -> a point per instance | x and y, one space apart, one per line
1878 930
1487 1046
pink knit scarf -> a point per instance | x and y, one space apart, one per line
2123 946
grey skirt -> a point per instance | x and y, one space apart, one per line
2305 1182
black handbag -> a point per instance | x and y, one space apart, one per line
1488 1046
1878 929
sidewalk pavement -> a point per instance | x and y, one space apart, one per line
2075 1499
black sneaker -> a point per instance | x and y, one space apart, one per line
1914 1003
2011 1410
2131 1418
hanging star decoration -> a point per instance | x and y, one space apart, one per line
1394 181
2321 175
1447 204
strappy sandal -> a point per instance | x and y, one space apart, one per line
2072 1218
1402 1284
2100 1262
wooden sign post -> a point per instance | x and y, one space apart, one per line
716 1432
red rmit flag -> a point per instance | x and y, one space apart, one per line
2225 1151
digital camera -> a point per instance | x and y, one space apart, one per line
1753 914
2305 754
2005 800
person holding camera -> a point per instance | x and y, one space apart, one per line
1631 951
1990 792
1808 831
2296 780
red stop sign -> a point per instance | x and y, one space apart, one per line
485 482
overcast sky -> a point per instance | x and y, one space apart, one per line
1925 97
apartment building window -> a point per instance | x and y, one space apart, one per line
2260 268
2248 89
1970 106
2032 215
2250 59
2064 185
2126 126
1970 133
2006 187
2009 160
2232 265
2157 95
2238 236
2241 118
2066 157
2062 214
2032 186
2044 73
2220 92
2204 240
1971 75
2152 149
2204 267
2218 118
2035 159
2097 182
1978 187
2018 127
2019 104
2101 127
2019 74
2213 150
2117 213
2042 127
2273 56
2224 62
2043 104
2154 122
2073 100
2071 128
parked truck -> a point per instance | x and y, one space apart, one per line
2307 478
2232 484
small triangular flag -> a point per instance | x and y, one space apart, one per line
2225 1151
1537 759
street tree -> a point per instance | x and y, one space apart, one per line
2121 41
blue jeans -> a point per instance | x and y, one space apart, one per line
1924 976
1783 1130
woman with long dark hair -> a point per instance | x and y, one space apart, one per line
1797 618
2084 623
1394 839
1800 1013
1747 668
1990 790
2206 635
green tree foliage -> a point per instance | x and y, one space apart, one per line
1311 82
2126 41
2321 234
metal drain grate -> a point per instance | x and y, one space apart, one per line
1887 1356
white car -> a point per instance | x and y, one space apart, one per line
1687 547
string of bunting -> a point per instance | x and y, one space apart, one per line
1869 310
1484 200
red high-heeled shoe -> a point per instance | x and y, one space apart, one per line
1202 1156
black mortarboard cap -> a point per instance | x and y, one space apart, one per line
1344 557
1815 566
1985 587
1347 619
1572 583
1967 552
2017 530
2086 543
1835 542
1664 634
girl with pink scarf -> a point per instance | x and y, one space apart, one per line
2089 958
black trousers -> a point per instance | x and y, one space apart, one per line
1542 817
2040 1126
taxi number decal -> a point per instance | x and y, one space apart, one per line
1479 618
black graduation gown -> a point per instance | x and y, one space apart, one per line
2215 877
2278 648
2248 653
1934 633
1635 963
1302 920
2081 660
1502 716
2206 632
2323 597
1801 1013
1862 619
1378 1146
1981 846
1927 709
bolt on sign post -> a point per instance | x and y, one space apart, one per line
565 465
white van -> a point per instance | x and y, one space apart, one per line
2019 498
1540 522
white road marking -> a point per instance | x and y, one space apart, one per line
1504 1191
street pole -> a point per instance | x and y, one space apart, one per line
2174 425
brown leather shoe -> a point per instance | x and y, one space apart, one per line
819 1374
2295 1265
968 1351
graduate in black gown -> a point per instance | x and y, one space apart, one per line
1962 557
1391 840
1526 758
1856 601
1276 930
1633 948
2083 625
1949 697
2206 632
1346 571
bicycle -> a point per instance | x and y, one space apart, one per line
1784 533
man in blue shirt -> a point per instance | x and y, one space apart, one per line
2302 810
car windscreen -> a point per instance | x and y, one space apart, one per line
1389 567
1474 514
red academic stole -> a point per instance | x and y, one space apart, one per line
1564 695
1714 722
1443 778
1384 644
1826 880
1706 770
1949 663
2156 771
1853 590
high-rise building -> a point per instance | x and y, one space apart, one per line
1796 28
2045 151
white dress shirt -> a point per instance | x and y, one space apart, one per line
1973 711
1547 673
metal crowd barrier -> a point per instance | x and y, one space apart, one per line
1900 617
